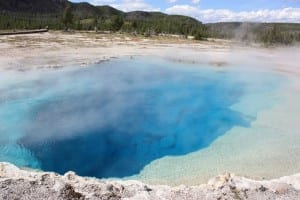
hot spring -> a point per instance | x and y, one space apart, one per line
115 118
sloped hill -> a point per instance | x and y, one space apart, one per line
32 6
84 10
19 14
107 11
161 22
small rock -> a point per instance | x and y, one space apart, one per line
70 176
147 188
69 193
45 177
262 188
281 188
109 187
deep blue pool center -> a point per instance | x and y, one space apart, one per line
114 118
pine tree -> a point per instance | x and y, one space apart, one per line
67 18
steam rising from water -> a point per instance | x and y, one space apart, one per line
113 119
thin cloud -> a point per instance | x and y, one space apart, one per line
226 15
133 5
171 1
102 2
195 1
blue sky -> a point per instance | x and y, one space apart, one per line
215 10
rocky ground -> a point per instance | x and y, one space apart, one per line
57 49
17 183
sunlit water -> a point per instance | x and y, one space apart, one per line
114 118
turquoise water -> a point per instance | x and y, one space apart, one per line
114 118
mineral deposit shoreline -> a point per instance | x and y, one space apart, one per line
16 183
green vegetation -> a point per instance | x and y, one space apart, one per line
83 16
10 21
62 14
161 23
67 17
267 33
276 35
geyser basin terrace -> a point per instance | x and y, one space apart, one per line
113 119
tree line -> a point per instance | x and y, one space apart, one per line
274 35
67 20
268 34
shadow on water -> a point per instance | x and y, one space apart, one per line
113 122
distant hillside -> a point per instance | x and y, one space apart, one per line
32 14
28 14
33 6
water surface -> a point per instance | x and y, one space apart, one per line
114 118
